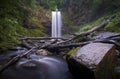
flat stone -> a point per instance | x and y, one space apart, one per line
99 58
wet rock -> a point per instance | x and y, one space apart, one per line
117 69
79 71
97 59
43 52
117 72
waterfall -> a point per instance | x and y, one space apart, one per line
56 23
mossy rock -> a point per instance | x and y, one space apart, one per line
73 52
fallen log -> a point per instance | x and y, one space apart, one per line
26 44
68 45
42 38
78 44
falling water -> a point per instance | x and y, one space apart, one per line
56 23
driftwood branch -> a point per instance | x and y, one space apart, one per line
42 38
14 59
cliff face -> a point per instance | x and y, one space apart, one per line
80 12
83 11
21 18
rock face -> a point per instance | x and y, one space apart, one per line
98 59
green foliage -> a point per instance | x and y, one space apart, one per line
88 26
10 28
13 16
7 33
114 25
53 4
34 23
82 13
97 1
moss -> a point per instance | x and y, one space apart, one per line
90 25
8 27
114 25
73 52
13 15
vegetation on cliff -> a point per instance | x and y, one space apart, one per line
20 18
85 14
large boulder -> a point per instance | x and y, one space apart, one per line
94 61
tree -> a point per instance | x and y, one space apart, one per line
53 4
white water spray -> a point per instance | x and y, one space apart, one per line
56 23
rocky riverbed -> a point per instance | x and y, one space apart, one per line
96 60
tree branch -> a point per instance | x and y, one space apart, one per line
14 59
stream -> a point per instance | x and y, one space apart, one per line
41 67
34 66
